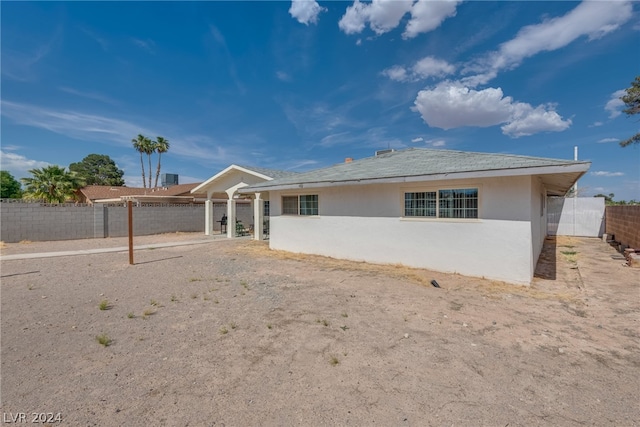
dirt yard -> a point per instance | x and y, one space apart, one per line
228 333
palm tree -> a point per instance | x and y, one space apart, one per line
52 183
149 147
140 144
162 146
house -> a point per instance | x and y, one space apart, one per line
477 214
175 194
225 186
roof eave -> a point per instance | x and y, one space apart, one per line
580 168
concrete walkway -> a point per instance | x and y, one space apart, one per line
88 246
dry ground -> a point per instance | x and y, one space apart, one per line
230 333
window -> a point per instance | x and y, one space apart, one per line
300 205
309 205
454 203
420 204
290 205
266 208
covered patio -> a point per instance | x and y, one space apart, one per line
224 186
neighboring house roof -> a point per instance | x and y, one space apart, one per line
417 164
105 192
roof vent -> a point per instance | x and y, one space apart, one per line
388 150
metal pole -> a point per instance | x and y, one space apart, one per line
130 209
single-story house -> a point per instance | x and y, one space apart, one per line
175 194
476 214
225 186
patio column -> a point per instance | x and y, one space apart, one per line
258 217
208 216
231 214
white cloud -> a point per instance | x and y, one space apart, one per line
148 44
89 95
281 75
306 11
605 140
590 18
397 73
385 15
427 15
418 139
606 174
437 143
526 120
18 165
615 104
596 124
424 68
73 124
432 67
382 15
450 105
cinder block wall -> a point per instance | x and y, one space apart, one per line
42 222
624 223
36 222
154 220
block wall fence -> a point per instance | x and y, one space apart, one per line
44 222
624 223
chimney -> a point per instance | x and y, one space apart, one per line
348 159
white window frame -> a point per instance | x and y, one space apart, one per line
299 206
437 191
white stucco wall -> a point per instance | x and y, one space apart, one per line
365 223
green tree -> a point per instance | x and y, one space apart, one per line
53 184
9 187
161 146
98 169
632 101
143 145
608 199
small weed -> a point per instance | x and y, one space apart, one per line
140 338
233 325
30 287
269 326
104 340
324 322
153 303
174 298
568 252
224 330
206 297
104 305
244 285
455 306
215 301
195 279
334 361
344 314
344 328
194 296
213 289
131 315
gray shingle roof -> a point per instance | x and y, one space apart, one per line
273 173
416 162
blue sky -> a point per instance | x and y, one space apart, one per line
302 85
